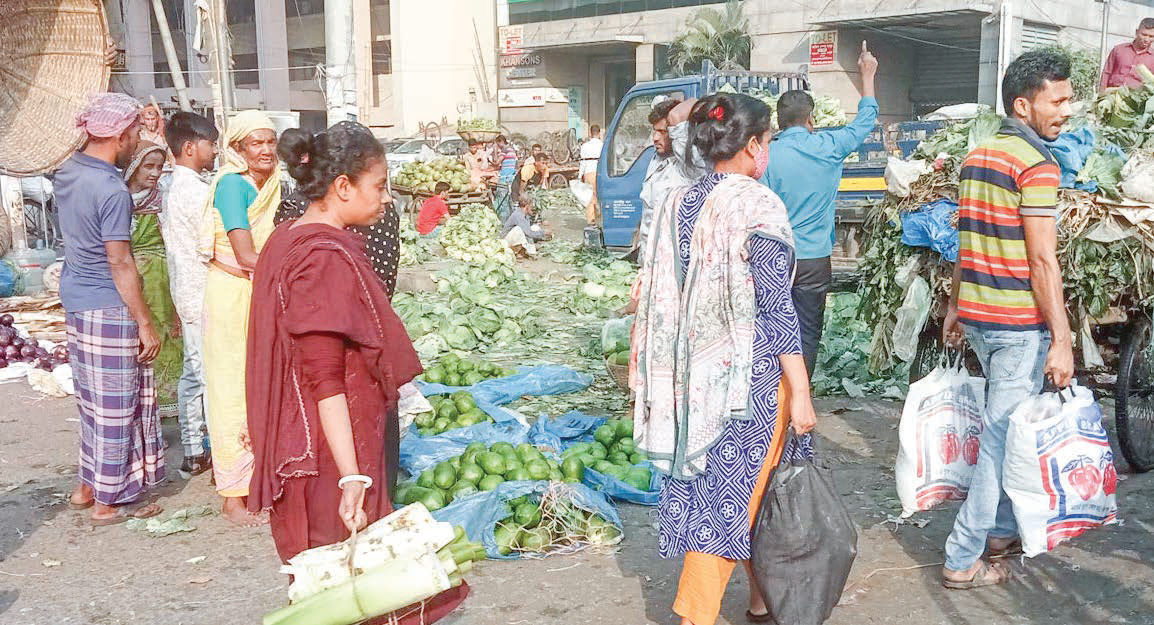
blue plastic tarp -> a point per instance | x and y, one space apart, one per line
1071 149
479 513
419 453
535 380
932 226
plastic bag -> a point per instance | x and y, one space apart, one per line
939 437
479 513
562 432
1071 149
803 543
1138 178
582 191
615 335
574 427
419 453
911 318
1059 469
901 175
410 404
9 279
933 226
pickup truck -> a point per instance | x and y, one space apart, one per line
628 151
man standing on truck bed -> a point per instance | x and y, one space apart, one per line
805 170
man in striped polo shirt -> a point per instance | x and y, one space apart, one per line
1007 294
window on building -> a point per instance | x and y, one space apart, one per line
528 11
1037 34
633 133
298 8
240 11
174 11
304 62
244 72
382 57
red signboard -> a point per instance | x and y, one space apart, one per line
822 47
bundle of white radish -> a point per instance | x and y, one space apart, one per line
400 560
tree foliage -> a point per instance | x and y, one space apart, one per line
1083 69
719 36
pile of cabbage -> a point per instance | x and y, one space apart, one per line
603 287
424 175
827 110
467 313
414 249
477 123
472 236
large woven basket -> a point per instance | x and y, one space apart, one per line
618 373
52 60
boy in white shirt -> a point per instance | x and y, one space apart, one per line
192 141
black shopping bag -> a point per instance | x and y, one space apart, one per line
803 542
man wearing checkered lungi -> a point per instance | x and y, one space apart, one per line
111 338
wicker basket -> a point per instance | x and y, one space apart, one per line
619 373
53 60
478 136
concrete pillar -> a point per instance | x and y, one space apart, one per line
138 47
363 52
988 63
272 54
596 111
645 62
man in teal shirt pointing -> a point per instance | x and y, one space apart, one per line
804 171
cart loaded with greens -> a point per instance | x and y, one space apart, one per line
1105 241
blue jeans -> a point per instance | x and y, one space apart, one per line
190 394
1014 363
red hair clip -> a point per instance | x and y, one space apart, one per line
717 113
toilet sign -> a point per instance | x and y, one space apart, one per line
822 47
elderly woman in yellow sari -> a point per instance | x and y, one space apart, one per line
238 220
142 176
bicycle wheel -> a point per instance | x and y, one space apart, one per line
40 225
1134 396
558 181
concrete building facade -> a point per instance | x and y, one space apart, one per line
932 52
417 61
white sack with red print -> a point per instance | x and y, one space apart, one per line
939 431
1059 470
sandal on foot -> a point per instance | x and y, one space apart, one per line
124 513
988 574
72 505
758 618
1013 548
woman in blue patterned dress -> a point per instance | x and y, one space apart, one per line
735 374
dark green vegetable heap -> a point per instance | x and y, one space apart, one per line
480 468
450 412
611 453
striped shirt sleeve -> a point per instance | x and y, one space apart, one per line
1039 189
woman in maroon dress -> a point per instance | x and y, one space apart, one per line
326 356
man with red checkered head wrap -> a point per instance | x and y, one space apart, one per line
112 340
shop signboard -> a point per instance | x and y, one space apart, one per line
512 39
514 98
522 66
822 47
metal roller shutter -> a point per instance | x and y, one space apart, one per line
944 76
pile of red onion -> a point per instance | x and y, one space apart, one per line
13 348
